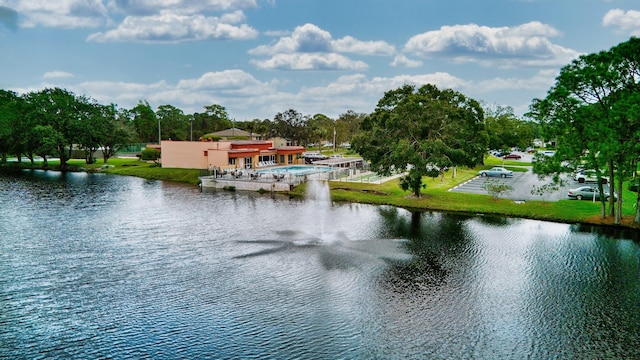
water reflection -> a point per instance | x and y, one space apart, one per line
137 268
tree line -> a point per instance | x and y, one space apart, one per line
55 122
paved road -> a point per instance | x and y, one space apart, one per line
522 183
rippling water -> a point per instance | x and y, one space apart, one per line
99 266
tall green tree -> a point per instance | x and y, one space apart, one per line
9 112
592 112
348 125
114 131
290 125
424 130
64 112
214 118
145 123
319 129
174 123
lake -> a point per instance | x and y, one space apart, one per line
106 266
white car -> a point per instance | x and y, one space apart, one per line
584 176
496 171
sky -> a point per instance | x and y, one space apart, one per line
258 58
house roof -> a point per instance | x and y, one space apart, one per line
231 132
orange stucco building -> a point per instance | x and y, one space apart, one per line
227 154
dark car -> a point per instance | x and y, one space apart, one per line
512 156
587 192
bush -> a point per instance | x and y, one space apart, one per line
496 188
633 187
150 154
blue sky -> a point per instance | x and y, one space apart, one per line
260 57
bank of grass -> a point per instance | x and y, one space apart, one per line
434 197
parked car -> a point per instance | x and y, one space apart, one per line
587 192
496 171
497 153
309 158
512 156
583 176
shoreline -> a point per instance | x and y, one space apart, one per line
358 193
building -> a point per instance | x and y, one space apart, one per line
228 154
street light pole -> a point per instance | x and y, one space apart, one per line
191 123
158 131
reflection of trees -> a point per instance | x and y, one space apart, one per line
607 231
495 220
431 238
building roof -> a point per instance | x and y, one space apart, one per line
333 162
231 132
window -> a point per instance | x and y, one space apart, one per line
290 159
232 161
206 153
282 159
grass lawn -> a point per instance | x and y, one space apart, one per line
433 197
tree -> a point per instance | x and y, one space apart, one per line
290 125
114 130
64 112
145 122
215 118
320 128
174 124
9 107
348 125
505 130
45 140
424 130
91 129
592 111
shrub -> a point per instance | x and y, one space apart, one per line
150 154
496 188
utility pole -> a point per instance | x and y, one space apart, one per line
191 123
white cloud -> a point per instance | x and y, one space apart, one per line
524 45
541 81
246 97
310 61
401 60
310 38
228 88
56 75
353 45
312 48
60 13
228 82
305 38
150 7
627 22
173 28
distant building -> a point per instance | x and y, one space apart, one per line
228 154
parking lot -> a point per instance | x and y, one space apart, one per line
522 183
